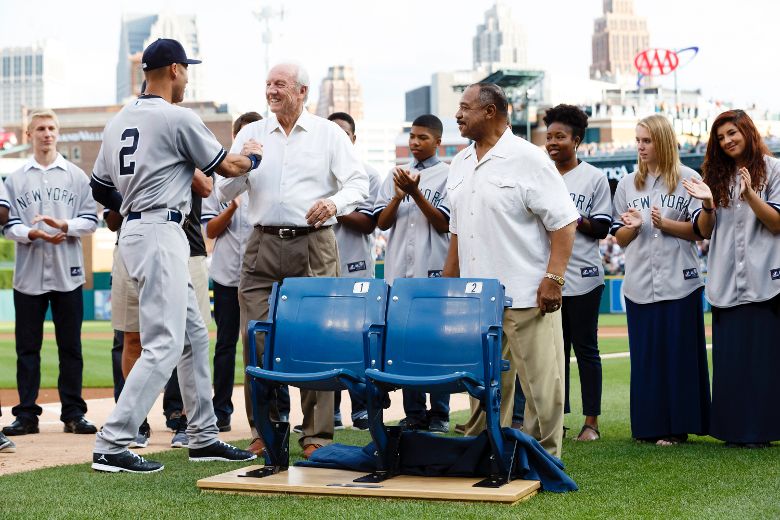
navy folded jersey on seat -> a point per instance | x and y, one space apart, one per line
435 456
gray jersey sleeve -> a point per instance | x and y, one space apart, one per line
386 192
5 200
101 172
196 142
602 200
211 207
619 204
374 184
85 221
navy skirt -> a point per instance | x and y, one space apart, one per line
670 386
746 372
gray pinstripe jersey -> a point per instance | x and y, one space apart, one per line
4 200
744 257
62 191
150 151
589 190
229 247
659 266
414 248
356 250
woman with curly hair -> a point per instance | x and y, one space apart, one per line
589 190
741 212
670 388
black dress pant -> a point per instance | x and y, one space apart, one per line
67 309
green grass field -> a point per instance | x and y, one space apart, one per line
97 353
618 478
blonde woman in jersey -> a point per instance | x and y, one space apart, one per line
741 212
590 193
670 390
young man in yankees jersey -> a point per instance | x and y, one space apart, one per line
355 238
144 170
50 209
412 204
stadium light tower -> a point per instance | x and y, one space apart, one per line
265 15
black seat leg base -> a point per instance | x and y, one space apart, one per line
493 481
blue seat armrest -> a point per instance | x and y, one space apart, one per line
372 350
253 328
491 341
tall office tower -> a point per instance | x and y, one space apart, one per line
138 31
30 77
618 37
418 102
500 42
340 92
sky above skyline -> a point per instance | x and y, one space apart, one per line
396 46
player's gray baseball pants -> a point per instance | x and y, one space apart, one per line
155 253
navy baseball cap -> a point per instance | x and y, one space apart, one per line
164 52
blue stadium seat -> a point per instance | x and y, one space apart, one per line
443 335
320 334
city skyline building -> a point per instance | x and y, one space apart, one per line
31 77
340 91
500 42
417 102
138 31
618 36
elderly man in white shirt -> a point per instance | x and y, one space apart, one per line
309 175
512 218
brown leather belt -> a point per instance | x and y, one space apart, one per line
289 232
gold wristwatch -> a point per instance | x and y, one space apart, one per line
555 278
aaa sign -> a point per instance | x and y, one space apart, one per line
658 62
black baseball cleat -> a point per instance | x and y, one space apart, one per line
220 451
125 461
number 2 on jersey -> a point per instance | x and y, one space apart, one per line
128 167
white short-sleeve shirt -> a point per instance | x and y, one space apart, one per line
503 207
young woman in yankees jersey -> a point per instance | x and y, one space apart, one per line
590 192
741 213
670 388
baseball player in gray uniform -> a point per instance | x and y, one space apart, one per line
144 170
50 209
412 204
6 444
355 239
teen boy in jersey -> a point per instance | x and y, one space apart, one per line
412 204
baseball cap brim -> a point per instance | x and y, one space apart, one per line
191 62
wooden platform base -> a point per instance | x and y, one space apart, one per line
319 481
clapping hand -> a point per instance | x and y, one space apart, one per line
697 189
655 216
56 238
632 218
406 182
56 223
745 186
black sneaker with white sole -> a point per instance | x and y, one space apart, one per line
220 451
125 461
